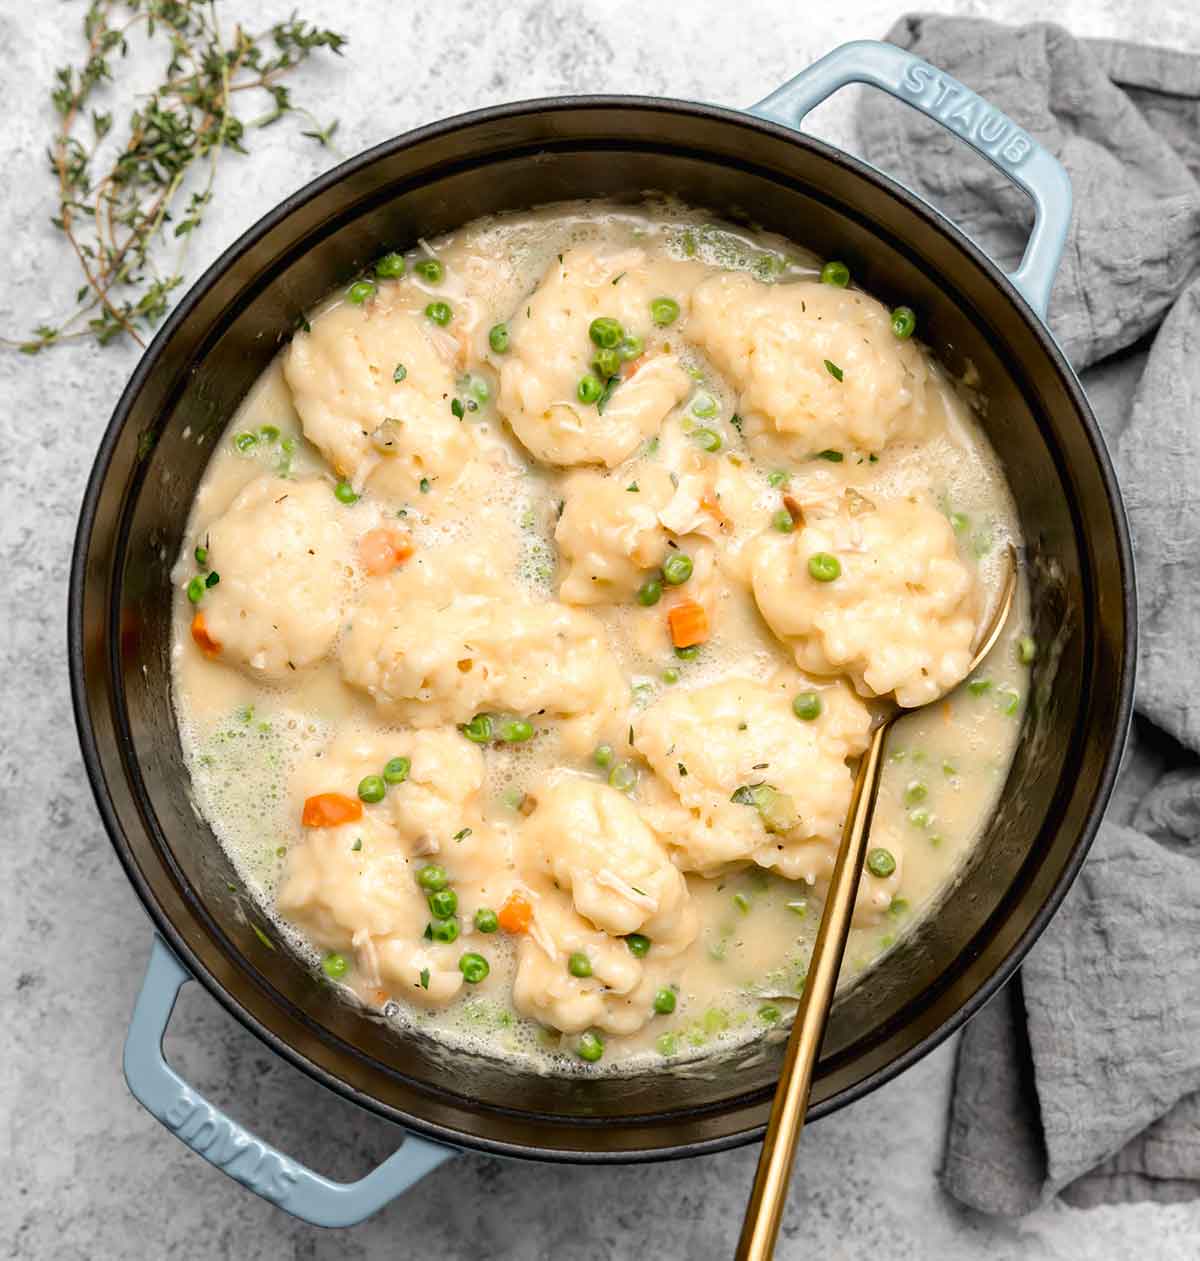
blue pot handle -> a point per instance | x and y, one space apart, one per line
958 109
234 1150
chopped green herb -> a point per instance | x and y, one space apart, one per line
357 844
456 408
632 488
424 485
742 902
424 978
769 1014
833 370
834 457
1026 647
462 834
977 687
778 478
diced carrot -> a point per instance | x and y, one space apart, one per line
516 914
634 365
204 640
689 624
794 510
328 810
383 549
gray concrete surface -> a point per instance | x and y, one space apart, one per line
86 1173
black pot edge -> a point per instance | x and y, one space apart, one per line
167 929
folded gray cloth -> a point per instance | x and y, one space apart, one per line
1082 1077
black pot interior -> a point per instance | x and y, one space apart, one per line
224 335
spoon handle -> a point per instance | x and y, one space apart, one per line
769 1195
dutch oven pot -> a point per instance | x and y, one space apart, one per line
753 166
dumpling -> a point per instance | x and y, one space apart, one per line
283 554
434 653
439 797
610 537
618 997
551 351
354 888
739 778
589 839
818 367
900 615
370 425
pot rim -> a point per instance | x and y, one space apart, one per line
166 927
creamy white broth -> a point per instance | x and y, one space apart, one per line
259 741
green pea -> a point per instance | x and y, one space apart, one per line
704 406
498 338
959 521
689 653
202 556
781 520
439 313
390 266
915 792
196 589
898 906
474 967
623 777
977 687
430 269
919 818
664 1001
606 332
515 731
245 442
589 389
1026 645
335 966
824 567
590 1047
881 863
360 291
904 322
395 770
479 729
631 346
443 903
344 493
486 920
706 439
650 592
666 1044
806 705
639 945
670 675
268 433
836 274
579 964
664 311
444 931
603 755
769 1014
371 788
479 389
607 361
432 878
677 568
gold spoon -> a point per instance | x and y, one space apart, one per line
769 1194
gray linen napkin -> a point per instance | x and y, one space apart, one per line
1083 1076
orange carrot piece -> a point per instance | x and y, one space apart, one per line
712 505
516 914
634 365
328 810
689 624
204 640
383 549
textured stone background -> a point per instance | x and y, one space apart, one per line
87 1174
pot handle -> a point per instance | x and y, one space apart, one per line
988 131
236 1151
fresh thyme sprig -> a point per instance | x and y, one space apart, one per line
114 207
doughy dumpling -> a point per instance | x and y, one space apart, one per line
367 900
439 797
741 737
899 618
619 995
551 351
609 537
433 653
369 426
589 839
774 341
283 553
